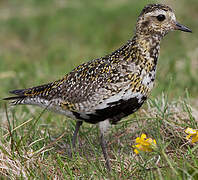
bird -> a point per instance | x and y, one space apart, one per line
104 90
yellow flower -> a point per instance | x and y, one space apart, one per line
144 144
193 133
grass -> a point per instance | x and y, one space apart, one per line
43 40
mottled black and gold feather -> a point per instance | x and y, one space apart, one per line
113 86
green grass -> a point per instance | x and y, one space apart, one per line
43 40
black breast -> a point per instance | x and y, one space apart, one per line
115 111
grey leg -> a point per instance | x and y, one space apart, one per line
78 124
103 126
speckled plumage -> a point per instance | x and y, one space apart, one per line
124 76
114 86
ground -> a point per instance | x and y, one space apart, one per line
43 40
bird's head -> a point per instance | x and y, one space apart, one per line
158 19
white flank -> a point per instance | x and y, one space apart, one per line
122 95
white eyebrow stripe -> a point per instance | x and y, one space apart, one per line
159 11
156 12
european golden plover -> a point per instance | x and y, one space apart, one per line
106 89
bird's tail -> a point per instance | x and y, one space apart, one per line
35 95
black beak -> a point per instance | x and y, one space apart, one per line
181 27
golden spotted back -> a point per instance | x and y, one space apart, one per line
115 85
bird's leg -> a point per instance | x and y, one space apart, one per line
104 150
103 126
77 127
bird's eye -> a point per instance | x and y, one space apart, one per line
161 17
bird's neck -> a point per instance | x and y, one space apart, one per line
146 48
140 50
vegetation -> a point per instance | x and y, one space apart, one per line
43 40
